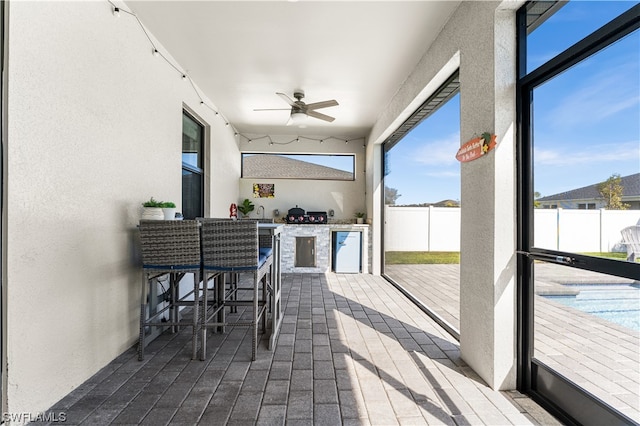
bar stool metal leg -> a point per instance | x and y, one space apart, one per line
143 310
196 318
254 324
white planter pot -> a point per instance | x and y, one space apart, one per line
152 213
359 220
169 213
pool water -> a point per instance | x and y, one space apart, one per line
619 304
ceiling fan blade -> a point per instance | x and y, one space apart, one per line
272 109
316 114
324 104
286 98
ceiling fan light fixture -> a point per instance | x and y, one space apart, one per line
300 110
298 117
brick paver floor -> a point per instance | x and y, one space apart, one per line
352 350
598 355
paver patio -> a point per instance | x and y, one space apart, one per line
600 356
352 350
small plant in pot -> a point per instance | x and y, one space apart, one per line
169 210
360 217
152 210
246 207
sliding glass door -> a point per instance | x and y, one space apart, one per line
579 197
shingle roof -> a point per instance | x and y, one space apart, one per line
271 166
630 184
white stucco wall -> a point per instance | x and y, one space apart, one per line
479 39
374 197
344 197
92 128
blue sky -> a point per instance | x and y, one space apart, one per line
422 166
586 121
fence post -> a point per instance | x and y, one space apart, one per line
429 223
559 213
602 213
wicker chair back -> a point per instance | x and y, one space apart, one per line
170 245
229 245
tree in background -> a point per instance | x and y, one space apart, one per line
390 195
611 191
536 203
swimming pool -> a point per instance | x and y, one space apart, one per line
619 304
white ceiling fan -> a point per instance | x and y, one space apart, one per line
300 110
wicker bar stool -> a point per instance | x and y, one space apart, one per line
170 247
266 249
265 245
232 246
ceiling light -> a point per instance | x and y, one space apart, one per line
298 117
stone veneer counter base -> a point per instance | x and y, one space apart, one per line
323 249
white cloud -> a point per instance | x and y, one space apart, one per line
568 156
438 153
599 97
444 174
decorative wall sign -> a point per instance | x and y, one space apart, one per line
264 190
476 147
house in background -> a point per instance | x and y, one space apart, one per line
589 197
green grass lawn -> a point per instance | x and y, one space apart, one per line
439 257
421 257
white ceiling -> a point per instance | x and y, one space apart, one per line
240 53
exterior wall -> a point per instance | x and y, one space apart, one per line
572 204
92 128
374 193
633 203
438 229
479 38
344 197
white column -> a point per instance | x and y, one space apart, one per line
488 223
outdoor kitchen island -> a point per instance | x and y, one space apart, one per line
307 248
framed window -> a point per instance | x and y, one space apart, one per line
192 167
586 206
298 166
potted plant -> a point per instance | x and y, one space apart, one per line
246 207
360 217
152 210
169 210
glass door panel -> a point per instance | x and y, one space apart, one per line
586 153
587 328
585 182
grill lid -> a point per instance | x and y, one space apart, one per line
296 211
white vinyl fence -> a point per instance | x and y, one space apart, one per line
438 229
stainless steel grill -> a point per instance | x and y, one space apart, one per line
298 215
